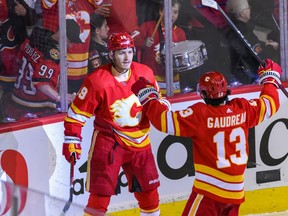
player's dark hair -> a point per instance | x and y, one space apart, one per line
215 102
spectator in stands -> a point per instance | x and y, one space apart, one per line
36 90
152 45
77 54
265 14
98 51
14 17
200 22
244 65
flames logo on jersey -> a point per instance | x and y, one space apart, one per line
121 110
55 54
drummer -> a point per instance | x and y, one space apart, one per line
153 34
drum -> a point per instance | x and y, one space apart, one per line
188 54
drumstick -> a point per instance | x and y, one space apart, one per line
157 25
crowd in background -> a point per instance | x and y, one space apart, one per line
30 53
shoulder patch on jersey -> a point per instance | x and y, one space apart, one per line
94 54
55 54
96 63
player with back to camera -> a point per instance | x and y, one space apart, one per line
36 89
121 131
220 148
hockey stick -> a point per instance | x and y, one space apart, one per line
68 203
215 5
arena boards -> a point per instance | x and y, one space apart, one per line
37 146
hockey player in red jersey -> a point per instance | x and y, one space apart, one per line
220 147
121 136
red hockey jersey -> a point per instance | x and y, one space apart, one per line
115 107
220 139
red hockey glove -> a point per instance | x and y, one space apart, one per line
71 145
144 90
270 73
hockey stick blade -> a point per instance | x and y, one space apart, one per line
215 5
68 203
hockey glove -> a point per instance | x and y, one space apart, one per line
71 145
270 73
144 90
